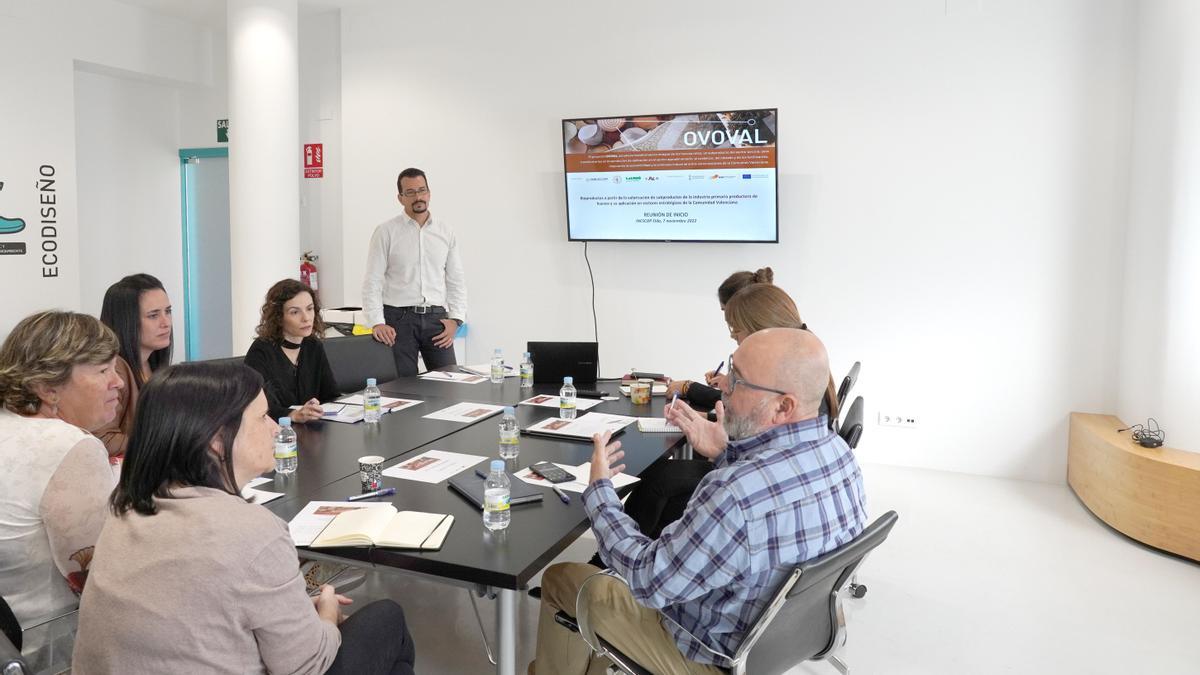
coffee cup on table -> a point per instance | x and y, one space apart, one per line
639 392
370 472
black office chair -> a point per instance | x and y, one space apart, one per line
852 424
230 361
803 621
354 359
11 662
851 432
843 391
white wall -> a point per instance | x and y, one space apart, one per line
126 137
953 184
144 82
93 88
321 122
201 104
1160 326
37 89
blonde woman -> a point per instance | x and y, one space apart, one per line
57 381
705 396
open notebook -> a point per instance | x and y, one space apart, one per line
386 527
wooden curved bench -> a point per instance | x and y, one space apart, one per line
1150 494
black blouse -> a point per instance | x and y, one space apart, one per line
286 384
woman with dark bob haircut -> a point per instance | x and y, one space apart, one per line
139 312
288 353
190 577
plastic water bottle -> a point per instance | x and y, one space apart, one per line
496 493
497 366
526 371
566 399
510 434
371 410
286 457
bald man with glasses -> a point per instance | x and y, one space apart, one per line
784 489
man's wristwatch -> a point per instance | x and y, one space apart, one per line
457 321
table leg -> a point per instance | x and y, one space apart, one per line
506 631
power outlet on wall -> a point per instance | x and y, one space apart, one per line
894 420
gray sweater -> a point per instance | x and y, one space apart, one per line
210 584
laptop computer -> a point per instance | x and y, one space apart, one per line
552 361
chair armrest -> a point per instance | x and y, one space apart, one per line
588 633
583 611
11 662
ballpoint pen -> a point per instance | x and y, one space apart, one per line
719 367
673 399
566 499
382 492
481 474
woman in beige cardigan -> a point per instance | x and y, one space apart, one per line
190 577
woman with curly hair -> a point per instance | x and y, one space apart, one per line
289 355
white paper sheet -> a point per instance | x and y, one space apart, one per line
486 370
259 496
387 404
433 466
313 518
655 390
450 376
551 401
465 412
582 473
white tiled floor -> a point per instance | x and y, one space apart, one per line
980 575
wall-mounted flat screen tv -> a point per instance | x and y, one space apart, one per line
701 176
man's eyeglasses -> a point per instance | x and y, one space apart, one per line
735 379
414 192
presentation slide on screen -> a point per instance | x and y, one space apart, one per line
698 177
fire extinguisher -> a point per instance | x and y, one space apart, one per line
308 270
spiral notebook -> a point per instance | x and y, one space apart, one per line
657 425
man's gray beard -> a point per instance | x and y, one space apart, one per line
738 427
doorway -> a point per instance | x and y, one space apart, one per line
208 298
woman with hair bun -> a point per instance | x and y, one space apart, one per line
705 396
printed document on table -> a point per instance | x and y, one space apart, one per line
344 413
551 401
582 474
433 466
465 412
259 496
450 376
387 404
582 427
313 518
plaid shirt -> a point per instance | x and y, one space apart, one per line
774 500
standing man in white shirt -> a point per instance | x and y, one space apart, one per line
414 294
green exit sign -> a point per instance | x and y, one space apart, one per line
222 131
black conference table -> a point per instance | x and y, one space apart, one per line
501 564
